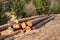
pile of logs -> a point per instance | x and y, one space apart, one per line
25 24
16 24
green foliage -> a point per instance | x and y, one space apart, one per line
18 7
1 9
42 6
56 7
27 1
3 17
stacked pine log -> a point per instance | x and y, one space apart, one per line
25 24
16 24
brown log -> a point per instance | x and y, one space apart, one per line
42 23
18 25
0 33
24 24
9 35
35 21
29 18
6 26
26 19
3 27
23 20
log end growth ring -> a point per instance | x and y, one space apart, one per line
17 21
16 26
29 23
9 28
27 29
23 25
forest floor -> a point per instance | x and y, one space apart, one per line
50 31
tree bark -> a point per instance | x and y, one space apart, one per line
42 23
37 20
9 35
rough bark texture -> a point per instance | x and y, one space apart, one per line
3 27
37 20
42 23
9 35
50 31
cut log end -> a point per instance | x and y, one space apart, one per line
9 28
27 29
23 25
16 26
16 21
29 23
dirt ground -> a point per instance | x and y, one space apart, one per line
50 31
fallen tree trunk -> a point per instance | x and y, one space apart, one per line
9 35
42 23
37 20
